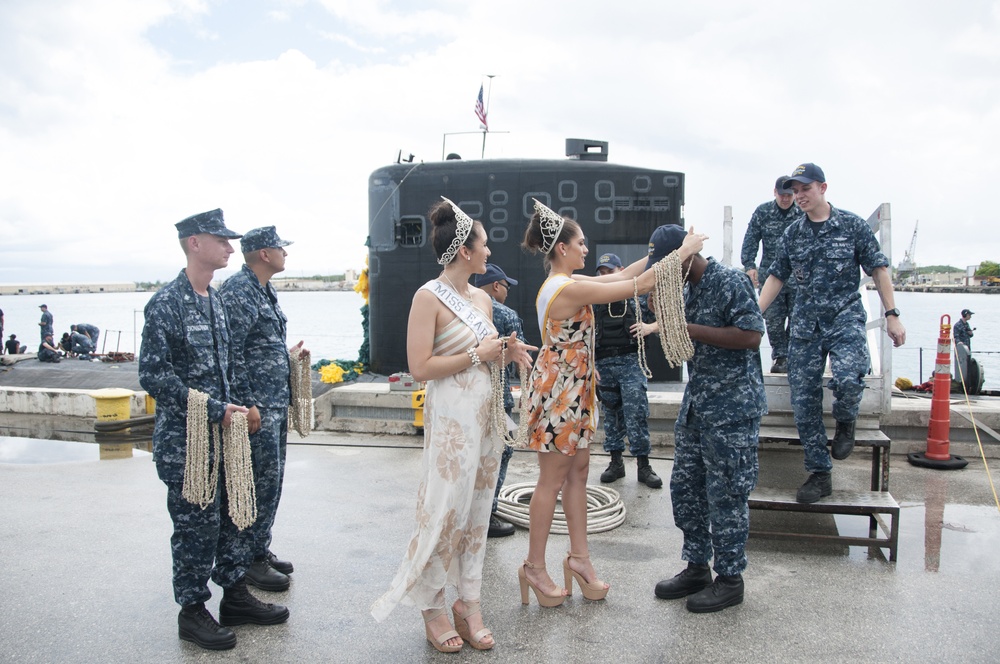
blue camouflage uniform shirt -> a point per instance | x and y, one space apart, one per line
257 328
962 332
823 267
724 385
46 324
182 348
767 224
506 321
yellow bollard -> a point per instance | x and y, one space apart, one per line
114 404
417 403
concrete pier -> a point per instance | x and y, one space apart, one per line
88 573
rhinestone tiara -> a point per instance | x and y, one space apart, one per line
462 230
551 225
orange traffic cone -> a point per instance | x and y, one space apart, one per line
938 430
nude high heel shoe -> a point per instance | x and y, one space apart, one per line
439 642
545 600
462 626
592 591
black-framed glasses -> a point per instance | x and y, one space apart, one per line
504 284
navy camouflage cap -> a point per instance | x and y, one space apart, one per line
781 186
210 222
265 237
493 273
608 260
664 240
806 173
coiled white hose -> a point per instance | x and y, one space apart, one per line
605 509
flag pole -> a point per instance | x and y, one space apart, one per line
486 130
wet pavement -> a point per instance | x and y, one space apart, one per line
86 543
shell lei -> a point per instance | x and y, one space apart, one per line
201 475
498 376
300 411
668 302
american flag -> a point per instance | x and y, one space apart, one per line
481 110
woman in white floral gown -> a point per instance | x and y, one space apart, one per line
450 341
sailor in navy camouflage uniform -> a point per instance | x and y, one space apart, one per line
715 458
261 382
92 331
622 385
45 324
497 285
185 344
80 343
822 253
963 333
766 227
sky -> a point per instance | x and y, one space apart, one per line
119 118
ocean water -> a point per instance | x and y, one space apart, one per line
330 324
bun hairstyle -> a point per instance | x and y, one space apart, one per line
534 242
444 224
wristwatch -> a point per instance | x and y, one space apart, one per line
892 312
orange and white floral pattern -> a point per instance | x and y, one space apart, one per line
563 399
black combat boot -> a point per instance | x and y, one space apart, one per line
262 575
499 527
283 566
196 624
724 591
817 486
843 440
647 475
616 469
239 607
780 366
693 579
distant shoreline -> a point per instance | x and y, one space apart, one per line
923 288
301 285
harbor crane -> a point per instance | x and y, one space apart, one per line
906 271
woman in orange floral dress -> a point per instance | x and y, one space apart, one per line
450 346
563 408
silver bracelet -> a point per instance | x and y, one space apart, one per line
474 356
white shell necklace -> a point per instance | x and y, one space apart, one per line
467 297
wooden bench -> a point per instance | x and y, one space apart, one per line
873 503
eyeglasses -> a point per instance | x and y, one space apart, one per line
504 284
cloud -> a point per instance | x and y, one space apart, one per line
118 119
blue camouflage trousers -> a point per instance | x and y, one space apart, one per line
205 544
715 469
505 456
849 362
268 447
622 392
777 320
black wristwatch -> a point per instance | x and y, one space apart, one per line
892 312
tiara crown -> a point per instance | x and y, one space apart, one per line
462 230
550 223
